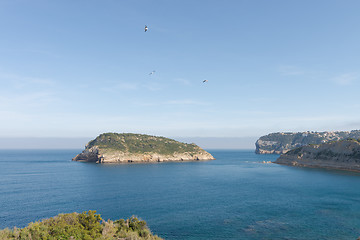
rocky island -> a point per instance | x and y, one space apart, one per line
343 154
282 142
135 148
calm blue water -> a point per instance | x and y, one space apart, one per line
233 197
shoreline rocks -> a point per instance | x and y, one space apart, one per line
342 155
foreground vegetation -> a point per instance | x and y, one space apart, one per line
85 226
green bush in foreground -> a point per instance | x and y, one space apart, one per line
86 226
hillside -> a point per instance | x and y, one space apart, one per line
282 142
129 147
343 154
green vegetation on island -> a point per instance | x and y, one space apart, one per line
140 143
84 226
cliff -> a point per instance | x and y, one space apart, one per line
279 143
343 154
129 147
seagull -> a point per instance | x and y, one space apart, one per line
146 28
152 72
205 81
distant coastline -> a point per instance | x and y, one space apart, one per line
282 142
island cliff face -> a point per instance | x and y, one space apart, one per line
279 143
129 147
343 154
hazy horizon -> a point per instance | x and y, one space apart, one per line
79 143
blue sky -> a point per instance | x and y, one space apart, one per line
80 68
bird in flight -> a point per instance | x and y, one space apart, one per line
152 72
146 28
205 81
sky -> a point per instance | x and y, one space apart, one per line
75 69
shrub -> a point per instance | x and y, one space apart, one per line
85 226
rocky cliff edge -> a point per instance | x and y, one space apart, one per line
343 154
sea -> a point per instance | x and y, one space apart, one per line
240 195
